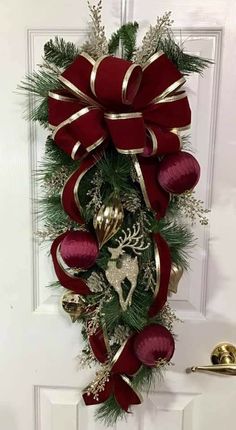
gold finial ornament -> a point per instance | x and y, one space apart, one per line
175 276
108 220
73 305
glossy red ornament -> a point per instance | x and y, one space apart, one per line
154 342
178 172
79 249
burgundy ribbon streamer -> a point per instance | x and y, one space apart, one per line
165 268
124 363
69 197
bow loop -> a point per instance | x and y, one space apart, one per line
161 142
170 112
160 78
115 89
76 136
76 78
61 105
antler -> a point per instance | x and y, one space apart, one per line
132 239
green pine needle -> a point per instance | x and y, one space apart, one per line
110 412
59 52
127 36
186 63
38 84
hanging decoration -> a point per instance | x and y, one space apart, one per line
117 186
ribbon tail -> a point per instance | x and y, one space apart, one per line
163 267
103 395
154 196
125 394
125 361
100 350
99 345
73 283
70 197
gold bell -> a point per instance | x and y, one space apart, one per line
73 305
175 276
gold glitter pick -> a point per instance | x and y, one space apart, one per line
108 220
175 276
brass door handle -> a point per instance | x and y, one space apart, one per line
223 359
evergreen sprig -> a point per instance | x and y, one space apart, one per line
110 412
126 35
59 52
184 62
38 84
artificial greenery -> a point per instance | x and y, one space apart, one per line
113 174
126 36
59 52
186 63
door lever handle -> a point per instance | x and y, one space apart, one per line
223 359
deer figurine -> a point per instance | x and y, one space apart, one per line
122 266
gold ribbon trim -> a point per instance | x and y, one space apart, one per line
131 115
126 82
154 57
94 73
173 87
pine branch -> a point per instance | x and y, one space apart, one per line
38 84
186 63
55 155
179 237
110 412
127 36
59 52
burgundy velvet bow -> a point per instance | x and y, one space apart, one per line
124 363
140 109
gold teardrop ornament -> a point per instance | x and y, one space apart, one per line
175 276
73 305
108 220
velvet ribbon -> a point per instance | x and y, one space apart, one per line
163 269
139 110
124 364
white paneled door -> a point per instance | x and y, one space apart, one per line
40 383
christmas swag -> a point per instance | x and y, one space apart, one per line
118 196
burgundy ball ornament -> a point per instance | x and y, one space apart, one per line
153 343
178 172
79 249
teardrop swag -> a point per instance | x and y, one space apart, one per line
118 189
